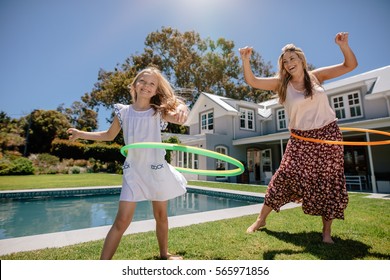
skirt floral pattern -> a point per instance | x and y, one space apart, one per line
311 174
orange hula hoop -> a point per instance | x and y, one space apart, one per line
352 143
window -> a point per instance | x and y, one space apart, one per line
247 119
219 164
207 122
266 160
281 119
187 160
347 106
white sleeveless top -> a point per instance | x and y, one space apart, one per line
146 174
310 112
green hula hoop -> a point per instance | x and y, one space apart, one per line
193 150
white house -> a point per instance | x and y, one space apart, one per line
257 134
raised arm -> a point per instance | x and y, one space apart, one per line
334 71
107 135
266 83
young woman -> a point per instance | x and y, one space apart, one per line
309 172
146 174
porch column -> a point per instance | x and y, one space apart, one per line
281 147
373 180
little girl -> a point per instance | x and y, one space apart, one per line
146 174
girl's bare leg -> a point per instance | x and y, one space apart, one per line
260 222
122 221
161 217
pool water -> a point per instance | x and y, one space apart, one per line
23 217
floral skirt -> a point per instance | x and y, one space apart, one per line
311 174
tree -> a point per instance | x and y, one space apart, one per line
191 64
80 116
42 127
11 133
4 120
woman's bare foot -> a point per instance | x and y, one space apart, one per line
256 226
171 257
327 239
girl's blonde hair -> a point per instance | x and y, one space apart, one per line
285 77
165 99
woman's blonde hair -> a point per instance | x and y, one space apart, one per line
165 99
285 77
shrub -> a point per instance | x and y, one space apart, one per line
168 154
100 151
12 155
75 170
45 163
18 166
80 162
66 149
47 160
96 157
114 167
104 152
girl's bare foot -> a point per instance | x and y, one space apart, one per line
171 257
255 226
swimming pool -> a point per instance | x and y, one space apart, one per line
32 213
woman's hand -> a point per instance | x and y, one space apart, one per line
245 53
341 39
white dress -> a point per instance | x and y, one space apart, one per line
146 174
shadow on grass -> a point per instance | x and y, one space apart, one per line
311 242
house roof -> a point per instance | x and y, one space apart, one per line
266 106
204 98
377 82
222 101
228 105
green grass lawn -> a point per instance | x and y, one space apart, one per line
59 181
290 234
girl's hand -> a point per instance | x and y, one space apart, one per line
181 114
341 39
73 133
245 53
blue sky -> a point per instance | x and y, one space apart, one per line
51 50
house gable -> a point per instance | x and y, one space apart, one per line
210 102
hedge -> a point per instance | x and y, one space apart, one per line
76 150
18 166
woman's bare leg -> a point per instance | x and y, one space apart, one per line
327 231
122 221
260 222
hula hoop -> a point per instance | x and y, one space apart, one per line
193 150
352 143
